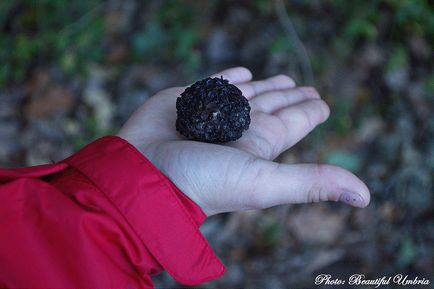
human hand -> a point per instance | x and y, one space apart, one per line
241 175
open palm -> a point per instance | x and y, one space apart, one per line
241 175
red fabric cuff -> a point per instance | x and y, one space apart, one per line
165 219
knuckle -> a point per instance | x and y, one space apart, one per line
244 70
320 171
248 90
305 118
309 92
284 97
284 78
317 191
316 194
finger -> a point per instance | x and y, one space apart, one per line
272 101
235 75
300 119
270 135
274 184
253 88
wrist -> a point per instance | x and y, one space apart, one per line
134 141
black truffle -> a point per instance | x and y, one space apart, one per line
212 110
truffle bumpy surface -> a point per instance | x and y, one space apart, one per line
212 110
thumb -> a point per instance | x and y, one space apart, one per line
276 184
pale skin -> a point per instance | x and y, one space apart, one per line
241 175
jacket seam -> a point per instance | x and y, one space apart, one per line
172 196
91 182
146 162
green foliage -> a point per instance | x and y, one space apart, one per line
344 159
408 253
182 26
149 40
272 235
413 16
90 132
340 121
68 34
360 28
63 33
264 7
361 19
281 44
173 32
397 59
429 85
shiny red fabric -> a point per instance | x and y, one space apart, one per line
102 218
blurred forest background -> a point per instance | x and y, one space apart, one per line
71 71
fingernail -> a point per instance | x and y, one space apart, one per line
352 199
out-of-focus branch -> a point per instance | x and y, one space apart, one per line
300 50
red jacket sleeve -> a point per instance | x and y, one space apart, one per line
102 218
